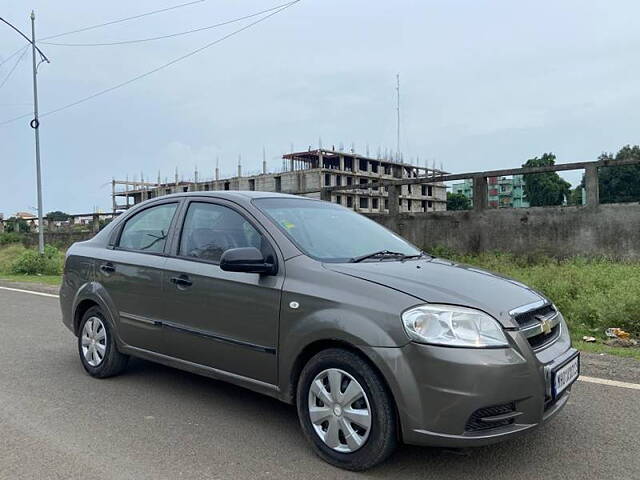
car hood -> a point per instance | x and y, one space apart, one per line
441 281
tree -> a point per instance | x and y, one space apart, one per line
22 225
57 216
621 183
548 188
575 196
457 201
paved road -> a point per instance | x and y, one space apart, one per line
158 423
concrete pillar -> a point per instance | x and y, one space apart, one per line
95 224
325 195
591 185
341 162
480 193
394 199
217 174
264 167
113 194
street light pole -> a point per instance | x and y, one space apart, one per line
35 124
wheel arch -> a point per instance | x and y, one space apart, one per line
79 312
317 346
92 294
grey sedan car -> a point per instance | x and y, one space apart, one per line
373 340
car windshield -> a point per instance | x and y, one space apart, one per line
332 233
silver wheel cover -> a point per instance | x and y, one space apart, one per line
339 410
94 341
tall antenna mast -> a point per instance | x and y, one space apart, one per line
398 112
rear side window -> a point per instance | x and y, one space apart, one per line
209 230
147 231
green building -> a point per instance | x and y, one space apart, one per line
504 192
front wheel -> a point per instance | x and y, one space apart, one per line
345 410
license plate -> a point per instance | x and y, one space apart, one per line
565 375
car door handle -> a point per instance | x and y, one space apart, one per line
107 268
181 281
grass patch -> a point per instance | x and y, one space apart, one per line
8 255
600 348
18 263
54 280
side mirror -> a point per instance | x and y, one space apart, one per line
248 260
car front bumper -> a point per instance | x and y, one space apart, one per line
439 391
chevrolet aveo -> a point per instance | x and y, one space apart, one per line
373 340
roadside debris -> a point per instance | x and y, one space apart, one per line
621 342
616 333
588 339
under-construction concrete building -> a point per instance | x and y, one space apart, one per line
305 173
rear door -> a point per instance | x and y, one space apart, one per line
131 273
225 320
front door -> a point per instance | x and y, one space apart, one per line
225 320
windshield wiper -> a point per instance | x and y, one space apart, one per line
380 253
419 255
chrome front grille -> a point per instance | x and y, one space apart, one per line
526 319
540 323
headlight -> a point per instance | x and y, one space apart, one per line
453 326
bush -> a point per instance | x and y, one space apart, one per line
8 255
7 238
30 262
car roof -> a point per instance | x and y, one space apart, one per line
235 194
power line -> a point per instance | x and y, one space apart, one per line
11 56
157 69
171 35
112 22
15 65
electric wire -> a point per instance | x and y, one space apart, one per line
112 22
171 35
17 52
157 69
15 65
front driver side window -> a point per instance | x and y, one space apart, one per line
209 230
147 231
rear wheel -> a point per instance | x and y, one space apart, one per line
345 410
96 346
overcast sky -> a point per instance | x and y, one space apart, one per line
484 84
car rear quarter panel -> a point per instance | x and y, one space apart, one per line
79 284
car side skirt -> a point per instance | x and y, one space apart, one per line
246 382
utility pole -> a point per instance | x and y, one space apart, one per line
35 124
398 113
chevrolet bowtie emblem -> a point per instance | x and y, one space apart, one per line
545 324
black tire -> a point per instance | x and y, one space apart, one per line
383 434
113 362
